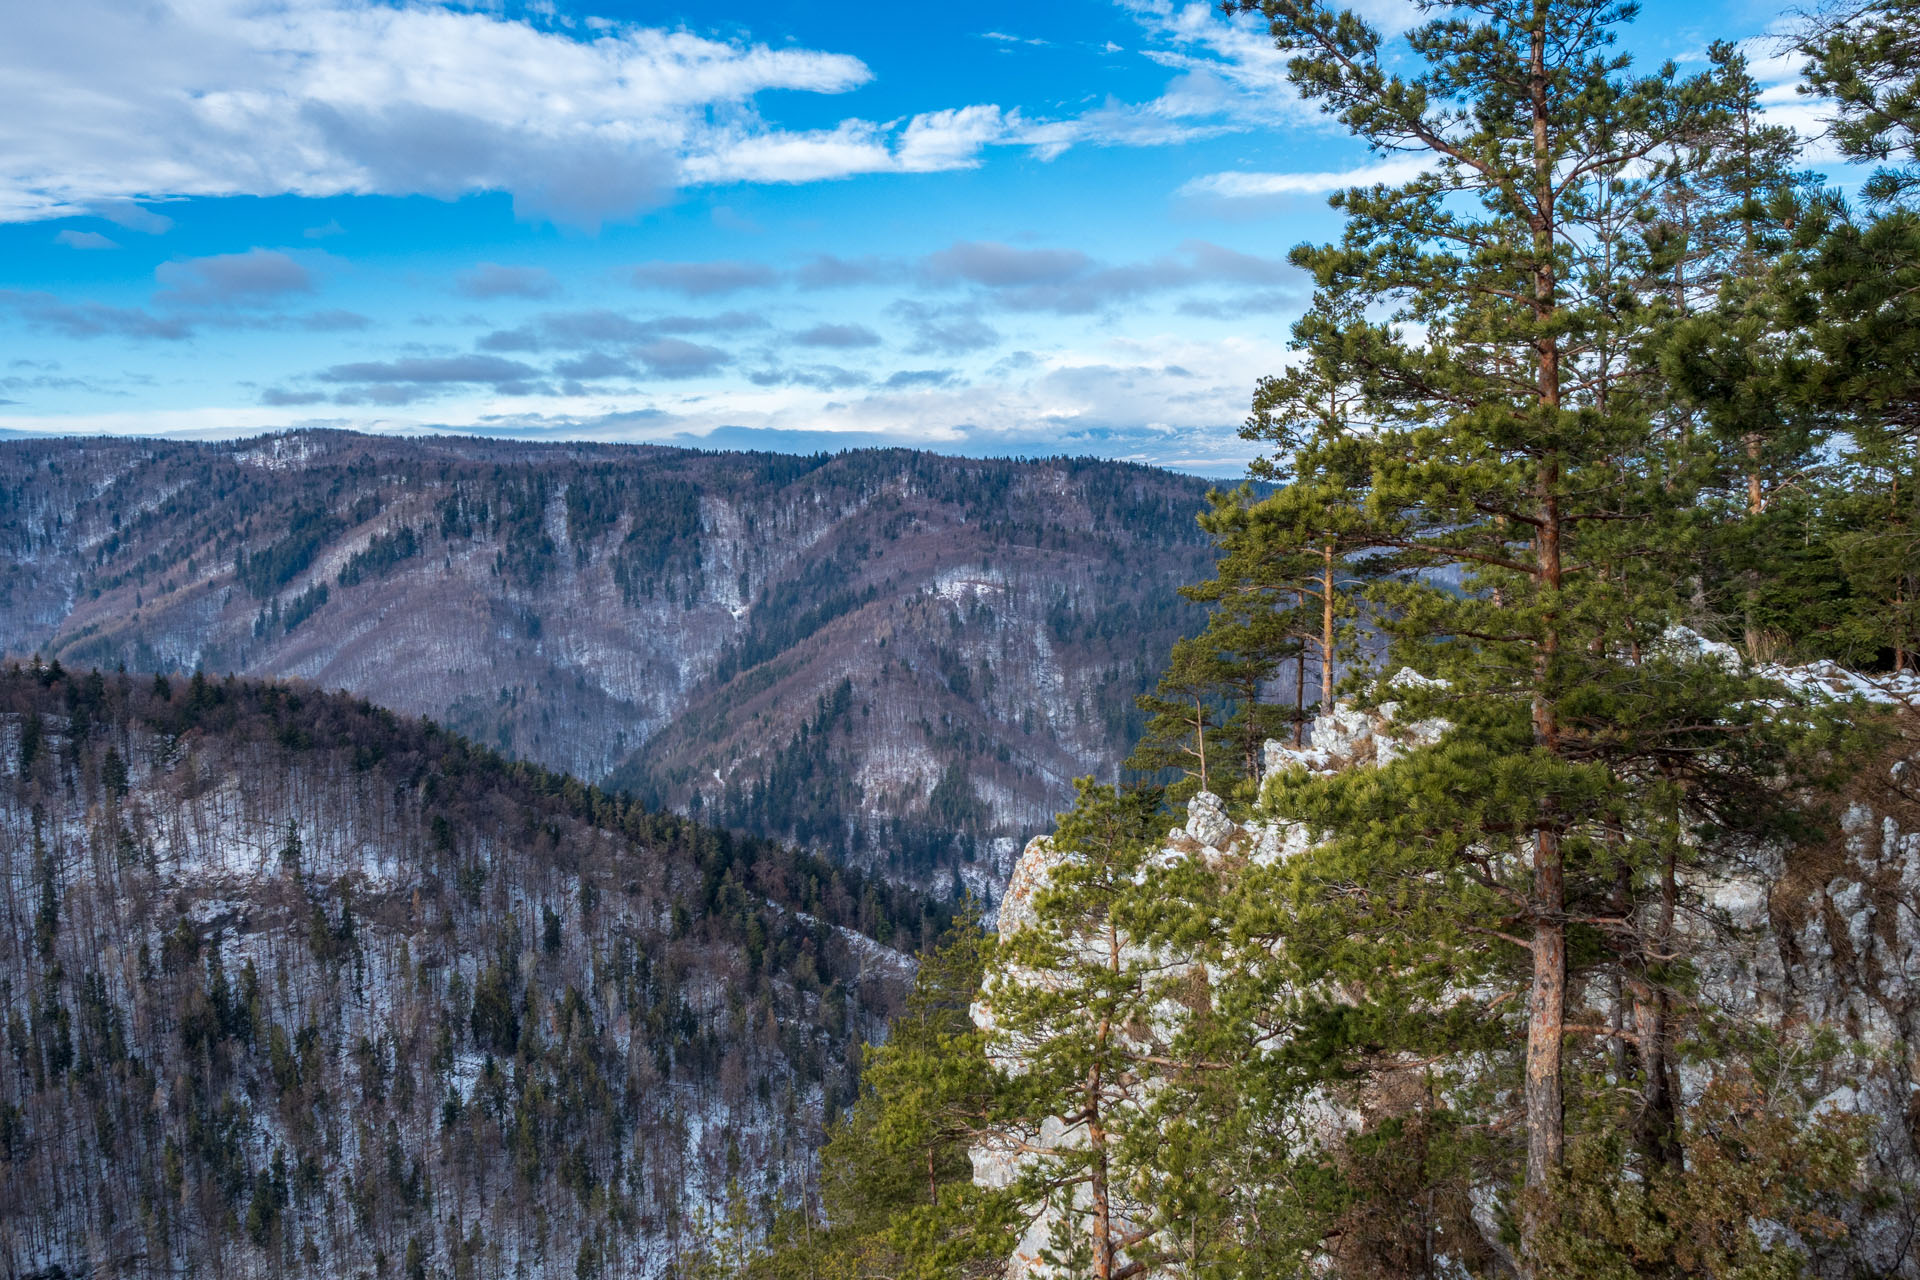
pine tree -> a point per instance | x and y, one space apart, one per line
1802 374
1185 729
1736 346
1867 333
1291 563
1866 58
1072 1000
895 1179
1498 437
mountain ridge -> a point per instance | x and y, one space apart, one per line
673 621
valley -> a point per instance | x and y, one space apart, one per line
896 658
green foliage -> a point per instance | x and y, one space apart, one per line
1608 368
265 571
1284 592
383 553
1755 1153
1184 734
1074 1001
1866 58
896 1182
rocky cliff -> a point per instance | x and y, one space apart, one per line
1814 936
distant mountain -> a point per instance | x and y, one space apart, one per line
292 986
900 658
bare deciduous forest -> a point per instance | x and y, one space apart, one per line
297 986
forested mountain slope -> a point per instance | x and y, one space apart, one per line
890 655
290 985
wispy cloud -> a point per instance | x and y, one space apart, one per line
132 215
703 279
227 279
93 319
491 280
599 327
821 377
678 358
594 365
842 336
411 378
200 303
948 329
1068 282
1239 185
1159 398
911 378
490 369
825 271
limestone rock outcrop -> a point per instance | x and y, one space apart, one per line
1824 936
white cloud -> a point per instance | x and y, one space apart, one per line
1778 67
851 147
1238 185
132 216
110 103
929 142
1230 78
952 139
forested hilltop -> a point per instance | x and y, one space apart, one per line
893 657
1578 935
290 985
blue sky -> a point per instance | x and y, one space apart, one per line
986 228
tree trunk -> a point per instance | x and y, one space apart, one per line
1326 627
1300 697
1657 1121
1547 1000
1200 737
1103 1250
1104 1259
1546 1015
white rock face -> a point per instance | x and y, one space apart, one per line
1207 821
1844 953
